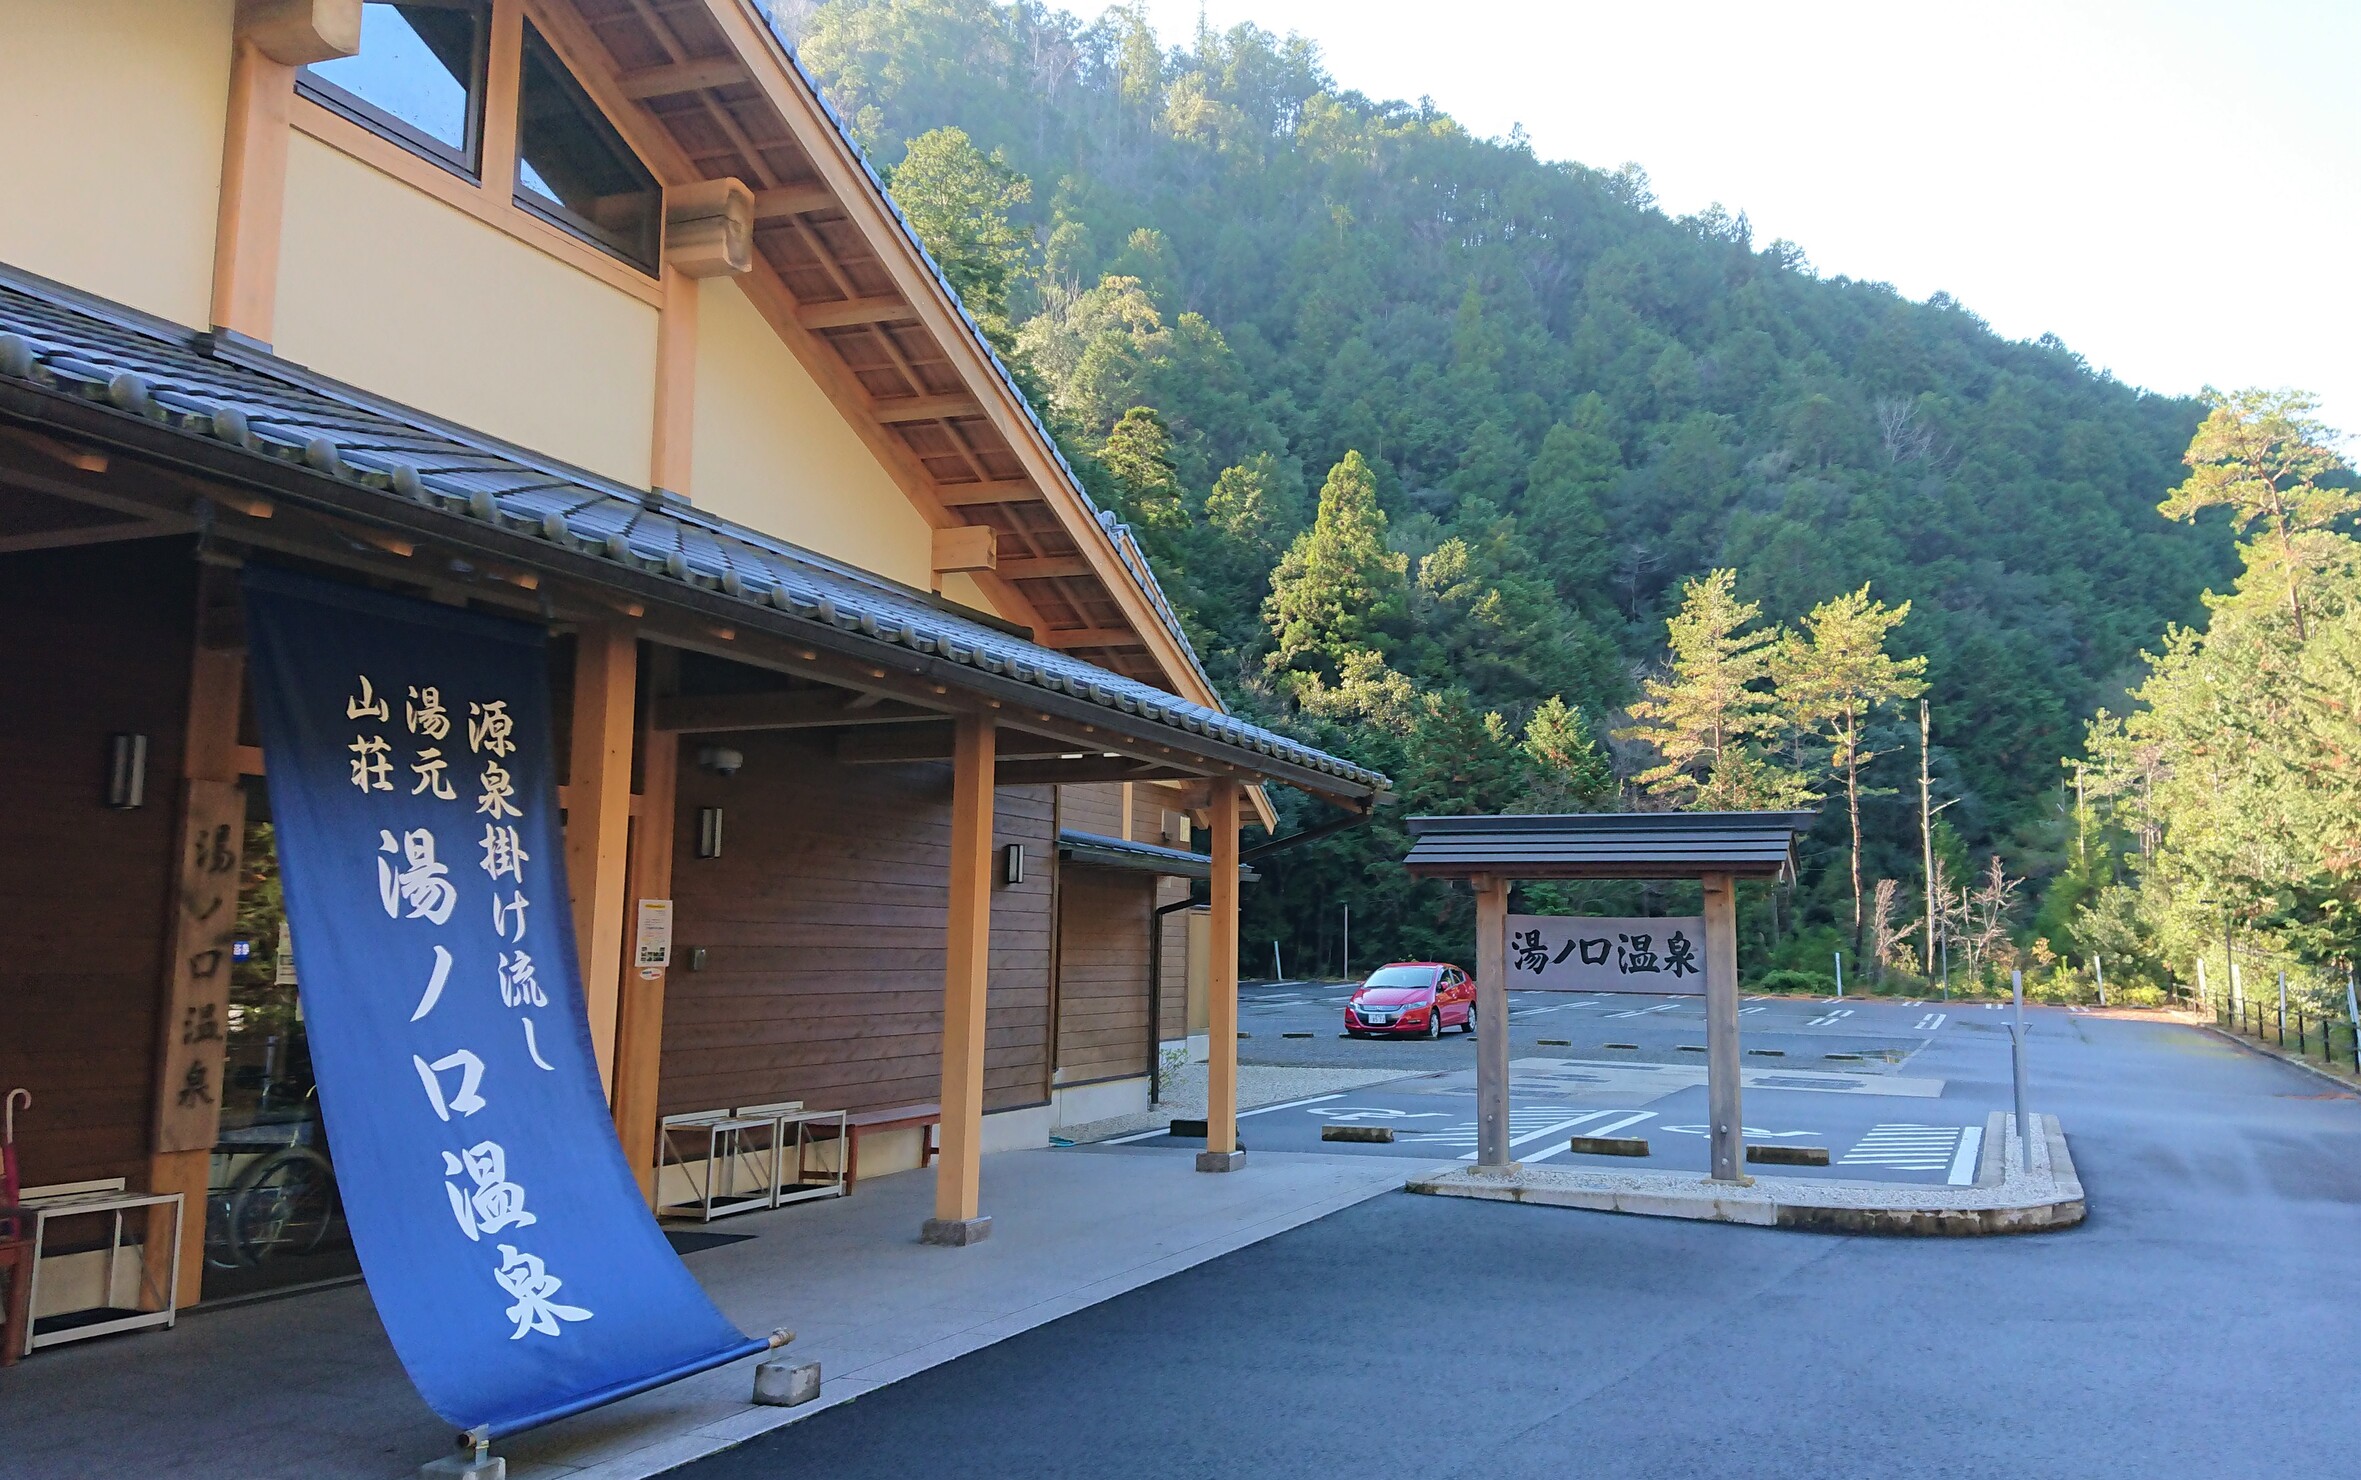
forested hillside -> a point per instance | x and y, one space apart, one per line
1540 406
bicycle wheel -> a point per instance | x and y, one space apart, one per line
283 1204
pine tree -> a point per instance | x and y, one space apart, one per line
958 199
1138 455
1571 771
2262 454
1338 587
1699 716
1831 679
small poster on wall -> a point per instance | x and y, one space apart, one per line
1659 955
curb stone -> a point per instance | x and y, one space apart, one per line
2003 1199
2348 1086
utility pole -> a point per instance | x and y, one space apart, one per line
2017 1067
1926 831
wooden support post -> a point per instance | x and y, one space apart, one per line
639 1026
676 383
193 1021
1492 1122
1221 1152
253 201
958 1217
598 822
1728 1129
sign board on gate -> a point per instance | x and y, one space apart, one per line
1661 956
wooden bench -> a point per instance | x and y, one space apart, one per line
922 1118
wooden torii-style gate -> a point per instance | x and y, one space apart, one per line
1715 848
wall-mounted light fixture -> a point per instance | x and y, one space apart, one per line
127 771
1012 864
709 832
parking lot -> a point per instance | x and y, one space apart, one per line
1892 1090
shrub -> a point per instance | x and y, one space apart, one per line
1816 983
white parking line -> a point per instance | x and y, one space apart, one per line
1243 1114
1547 1130
1829 1016
1758 1007
1643 1011
1597 1130
1930 1022
1963 1165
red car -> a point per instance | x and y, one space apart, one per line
1412 999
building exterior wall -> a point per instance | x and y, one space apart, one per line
823 927
1095 808
1102 973
384 286
99 644
114 110
772 451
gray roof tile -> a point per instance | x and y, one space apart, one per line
61 342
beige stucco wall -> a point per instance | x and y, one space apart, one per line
384 286
111 112
771 450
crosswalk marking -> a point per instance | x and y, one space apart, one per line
1906 1147
1930 1022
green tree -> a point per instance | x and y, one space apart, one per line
1711 701
2262 455
959 201
1138 456
1571 771
1831 679
1338 587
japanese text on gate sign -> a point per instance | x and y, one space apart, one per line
417 887
1660 956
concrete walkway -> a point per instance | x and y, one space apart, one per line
308 1386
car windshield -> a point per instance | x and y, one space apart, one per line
1400 976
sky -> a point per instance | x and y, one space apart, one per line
2172 188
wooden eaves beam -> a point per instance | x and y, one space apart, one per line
997 491
1042 567
846 312
924 408
811 709
1089 637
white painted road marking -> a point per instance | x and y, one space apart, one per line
1258 1110
1642 1011
1610 1128
1743 1011
1930 1022
1546 1131
1829 1016
1521 1125
1906 1147
1963 1165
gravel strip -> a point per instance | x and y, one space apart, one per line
1258 1084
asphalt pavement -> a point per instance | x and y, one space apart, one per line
2200 1323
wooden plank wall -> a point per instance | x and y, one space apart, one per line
97 642
822 924
1095 808
1102 973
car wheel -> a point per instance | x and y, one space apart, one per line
1434 1022
1471 1017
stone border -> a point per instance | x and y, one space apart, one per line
2005 1199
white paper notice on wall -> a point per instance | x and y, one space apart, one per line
654 949
1661 956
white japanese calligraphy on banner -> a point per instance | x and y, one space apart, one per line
1661 956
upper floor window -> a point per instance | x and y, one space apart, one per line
575 170
418 77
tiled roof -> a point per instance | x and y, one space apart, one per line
1617 845
58 340
1086 847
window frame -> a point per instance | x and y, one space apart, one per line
466 162
556 213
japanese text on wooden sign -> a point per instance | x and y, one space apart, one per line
1662 956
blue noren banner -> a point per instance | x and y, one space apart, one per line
506 1245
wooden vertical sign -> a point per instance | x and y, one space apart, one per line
204 930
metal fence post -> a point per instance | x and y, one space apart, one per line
2017 1066
2353 1016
